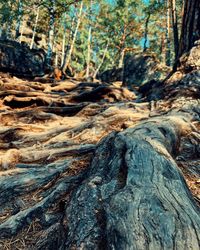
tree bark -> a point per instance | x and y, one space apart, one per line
135 196
35 27
76 191
146 32
168 44
20 11
63 40
89 52
175 28
190 26
102 61
68 59
22 31
162 49
51 32
121 59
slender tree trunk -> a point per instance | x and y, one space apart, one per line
35 27
63 40
56 59
102 61
8 28
168 49
22 32
190 25
122 45
20 11
68 59
8 25
146 32
121 60
63 48
89 52
66 47
175 28
51 31
162 48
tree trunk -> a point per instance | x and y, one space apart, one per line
63 40
56 59
22 31
121 59
135 196
51 32
20 11
175 28
168 45
190 26
162 49
89 53
102 61
8 25
146 32
35 27
68 59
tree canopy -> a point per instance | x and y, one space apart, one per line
110 27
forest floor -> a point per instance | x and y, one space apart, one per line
49 132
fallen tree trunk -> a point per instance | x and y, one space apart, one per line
135 196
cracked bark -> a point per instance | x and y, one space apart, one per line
135 196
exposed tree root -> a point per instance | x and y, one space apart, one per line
104 92
85 166
135 196
16 222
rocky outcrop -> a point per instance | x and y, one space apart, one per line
191 60
19 60
111 75
185 81
141 68
138 69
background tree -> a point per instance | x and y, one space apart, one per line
78 38
190 25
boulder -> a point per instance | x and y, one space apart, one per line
19 60
111 75
138 69
141 68
191 60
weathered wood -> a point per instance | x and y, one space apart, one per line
105 92
20 181
131 196
190 26
135 196
16 222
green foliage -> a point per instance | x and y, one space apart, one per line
119 23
